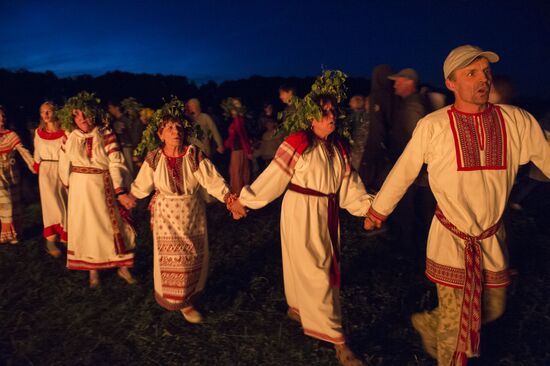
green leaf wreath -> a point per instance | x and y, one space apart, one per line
131 107
232 104
174 108
303 111
89 104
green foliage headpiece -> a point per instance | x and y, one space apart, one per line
131 107
331 84
89 104
232 104
173 109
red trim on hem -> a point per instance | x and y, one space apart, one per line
453 285
324 337
86 266
168 305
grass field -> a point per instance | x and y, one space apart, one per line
49 316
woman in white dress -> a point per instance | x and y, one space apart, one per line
92 166
312 169
10 191
176 172
48 139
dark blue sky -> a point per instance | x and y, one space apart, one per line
221 40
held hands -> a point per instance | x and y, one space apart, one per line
233 204
127 200
238 211
371 223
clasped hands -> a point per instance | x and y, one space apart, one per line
127 200
371 223
238 211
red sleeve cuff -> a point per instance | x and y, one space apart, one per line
36 167
120 190
376 215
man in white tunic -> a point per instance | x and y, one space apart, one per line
473 150
314 169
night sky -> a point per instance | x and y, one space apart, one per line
223 40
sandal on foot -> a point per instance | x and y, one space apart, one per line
191 315
346 357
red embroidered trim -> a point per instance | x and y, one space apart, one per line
170 305
153 158
86 266
455 277
55 229
113 150
478 135
89 144
50 135
109 139
324 337
372 212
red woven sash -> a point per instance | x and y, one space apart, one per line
470 315
333 207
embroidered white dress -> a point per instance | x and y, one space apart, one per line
307 249
53 194
178 221
472 163
92 166
10 194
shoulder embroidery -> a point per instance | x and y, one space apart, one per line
153 158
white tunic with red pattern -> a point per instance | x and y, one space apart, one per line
10 195
305 238
92 166
53 195
178 221
472 163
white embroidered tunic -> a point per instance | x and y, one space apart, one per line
10 206
53 195
306 243
178 221
92 166
472 163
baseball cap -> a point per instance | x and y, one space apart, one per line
408 73
462 56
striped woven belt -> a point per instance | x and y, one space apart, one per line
470 318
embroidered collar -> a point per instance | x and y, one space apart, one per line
487 110
46 135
